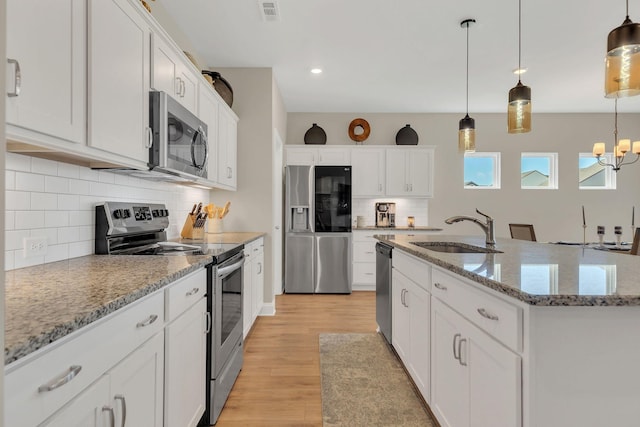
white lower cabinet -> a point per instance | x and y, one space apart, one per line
411 330
253 283
89 409
475 380
137 386
185 352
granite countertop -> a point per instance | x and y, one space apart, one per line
46 302
536 273
243 237
402 228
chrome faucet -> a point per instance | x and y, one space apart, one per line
486 227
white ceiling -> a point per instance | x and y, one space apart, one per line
409 55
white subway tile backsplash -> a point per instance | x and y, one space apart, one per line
54 184
15 239
44 201
9 220
68 171
17 162
68 202
29 182
57 253
26 220
44 166
10 180
78 187
17 200
56 219
57 201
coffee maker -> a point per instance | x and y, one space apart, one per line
385 214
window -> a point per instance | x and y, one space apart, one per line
482 170
597 280
539 279
592 176
539 171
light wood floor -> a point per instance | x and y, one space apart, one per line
279 384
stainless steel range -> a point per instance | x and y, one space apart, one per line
124 228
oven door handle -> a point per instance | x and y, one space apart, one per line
228 269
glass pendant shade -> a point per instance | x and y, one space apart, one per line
467 135
519 109
622 65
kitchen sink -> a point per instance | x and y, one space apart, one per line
455 248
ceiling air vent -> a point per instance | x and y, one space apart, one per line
269 10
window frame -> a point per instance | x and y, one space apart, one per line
610 175
496 170
553 170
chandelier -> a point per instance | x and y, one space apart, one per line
620 148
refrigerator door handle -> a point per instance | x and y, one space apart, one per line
312 200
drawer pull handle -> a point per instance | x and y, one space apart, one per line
439 286
368 274
460 351
61 380
455 338
148 321
193 292
369 252
124 408
485 313
112 416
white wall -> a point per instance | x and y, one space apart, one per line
555 213
57 200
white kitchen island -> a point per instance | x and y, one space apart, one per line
533 335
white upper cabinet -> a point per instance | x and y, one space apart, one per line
208 107
314 155
410 172
46 68
368 172
227 148
119 44
171 74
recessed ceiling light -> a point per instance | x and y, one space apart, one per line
316 70
519 71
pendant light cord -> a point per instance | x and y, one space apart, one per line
467 68
520 39
615 125
627 9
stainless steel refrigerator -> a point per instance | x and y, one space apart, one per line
318 229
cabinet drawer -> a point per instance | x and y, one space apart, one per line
364 272
185 292
500 319
94 349
365 236
364 251
413 268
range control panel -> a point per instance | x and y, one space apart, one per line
118 218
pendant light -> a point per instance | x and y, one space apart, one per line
519 110
622 65
467 126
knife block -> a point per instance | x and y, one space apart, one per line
190 231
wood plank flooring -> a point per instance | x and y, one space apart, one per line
279 384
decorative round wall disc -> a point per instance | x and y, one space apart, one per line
359 130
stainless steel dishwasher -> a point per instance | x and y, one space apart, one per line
383 289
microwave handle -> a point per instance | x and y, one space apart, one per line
206 148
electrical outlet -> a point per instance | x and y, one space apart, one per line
35 246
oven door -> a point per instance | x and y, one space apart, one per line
180 146
228 311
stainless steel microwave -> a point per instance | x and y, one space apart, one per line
179 145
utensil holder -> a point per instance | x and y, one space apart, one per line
190 230
215 226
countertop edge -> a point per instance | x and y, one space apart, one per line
35 343
533 300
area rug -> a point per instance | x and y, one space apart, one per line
363 384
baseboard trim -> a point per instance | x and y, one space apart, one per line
268 309
363 287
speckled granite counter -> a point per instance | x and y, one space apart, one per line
538 273
46 302
238 237
392 229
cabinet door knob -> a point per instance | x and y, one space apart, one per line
63 379
17 78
